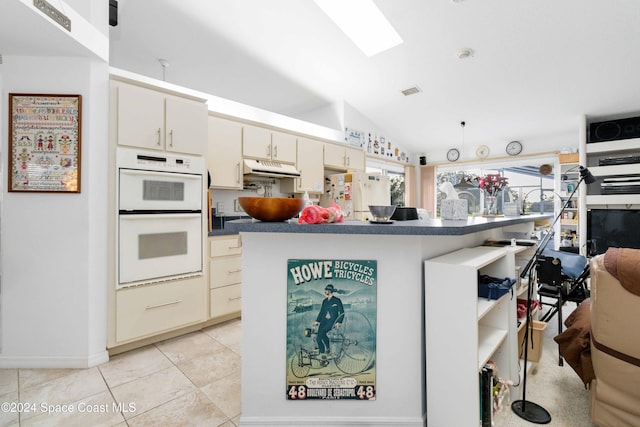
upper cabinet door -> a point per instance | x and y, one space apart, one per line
140 117
283 147
311 170
263 144
154 120
342 157
224 157
186 126
335 156
355 159
256 142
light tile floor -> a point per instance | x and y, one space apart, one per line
194 380
191 380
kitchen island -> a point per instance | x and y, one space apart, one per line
400 250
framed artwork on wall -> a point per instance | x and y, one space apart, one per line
44 143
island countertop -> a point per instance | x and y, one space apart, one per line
400 251
423 227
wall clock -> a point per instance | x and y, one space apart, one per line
453 155
514 148
482 151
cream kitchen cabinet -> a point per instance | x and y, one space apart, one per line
225 275
224 153
311 170
264 144
146 311
156 120
341 157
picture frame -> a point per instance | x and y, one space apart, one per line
45 143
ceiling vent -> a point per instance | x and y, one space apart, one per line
411 91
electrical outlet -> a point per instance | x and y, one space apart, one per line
236 206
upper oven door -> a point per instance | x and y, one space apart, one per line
142 190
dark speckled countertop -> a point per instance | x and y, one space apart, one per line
425 227
221 232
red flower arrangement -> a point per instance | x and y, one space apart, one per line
492 183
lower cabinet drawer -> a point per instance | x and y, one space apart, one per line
226 300
225 271
225 245
150 310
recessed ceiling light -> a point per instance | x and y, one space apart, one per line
363 23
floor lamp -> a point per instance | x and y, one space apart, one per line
531 411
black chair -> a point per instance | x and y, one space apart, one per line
555 284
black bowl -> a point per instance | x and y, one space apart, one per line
405 214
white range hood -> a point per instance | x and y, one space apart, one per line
269 168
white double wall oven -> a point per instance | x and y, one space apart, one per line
160 216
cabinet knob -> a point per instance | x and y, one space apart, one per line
171 138
158 142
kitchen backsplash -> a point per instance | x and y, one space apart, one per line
225 201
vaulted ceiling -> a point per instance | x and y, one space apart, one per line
535 67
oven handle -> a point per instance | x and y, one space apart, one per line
149 172
134 216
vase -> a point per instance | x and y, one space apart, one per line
491 205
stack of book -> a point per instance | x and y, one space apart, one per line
486 395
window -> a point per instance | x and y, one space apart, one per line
527 189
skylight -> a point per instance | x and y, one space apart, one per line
363 23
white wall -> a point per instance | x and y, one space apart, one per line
532 145
54 259
329 115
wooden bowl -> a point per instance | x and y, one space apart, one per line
271 209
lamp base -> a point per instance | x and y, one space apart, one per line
531 412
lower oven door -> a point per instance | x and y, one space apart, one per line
155 247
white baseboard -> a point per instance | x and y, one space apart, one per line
48 362
333 421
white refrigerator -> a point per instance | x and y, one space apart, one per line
355 191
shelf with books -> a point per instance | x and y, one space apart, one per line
484 331
568 228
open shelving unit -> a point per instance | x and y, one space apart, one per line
568 180
595 151
483 330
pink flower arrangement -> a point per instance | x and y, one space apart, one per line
492 183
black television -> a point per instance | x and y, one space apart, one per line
612 228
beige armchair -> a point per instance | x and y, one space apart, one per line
615 338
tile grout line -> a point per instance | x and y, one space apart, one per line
195 385
111 393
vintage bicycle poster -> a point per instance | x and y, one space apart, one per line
331 329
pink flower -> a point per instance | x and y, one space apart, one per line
492 183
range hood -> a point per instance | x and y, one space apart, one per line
270 169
